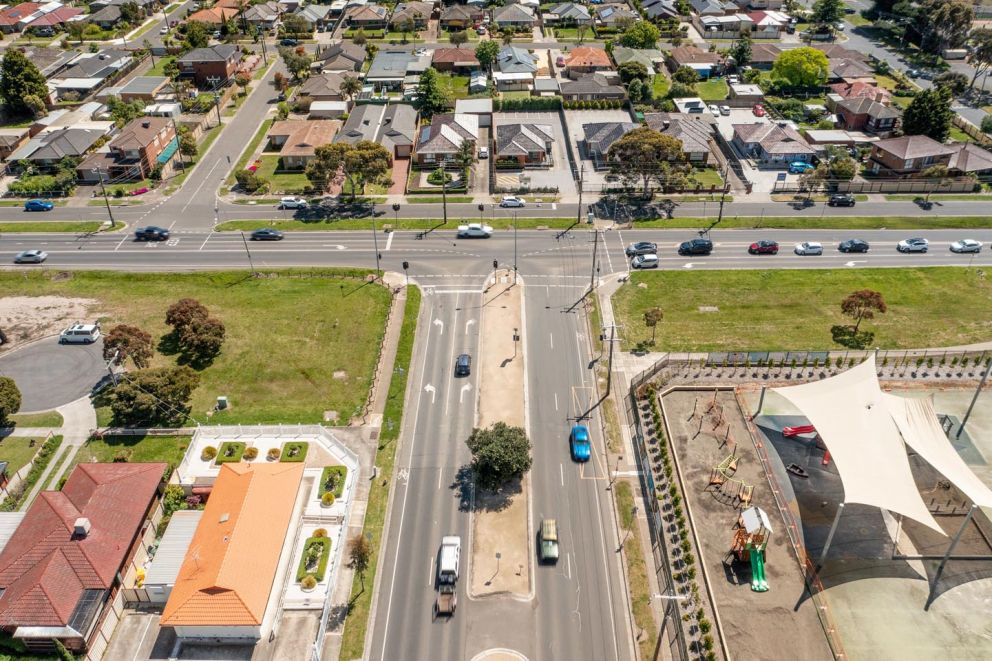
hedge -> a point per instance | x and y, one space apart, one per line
342 473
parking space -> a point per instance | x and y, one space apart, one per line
560 172
138 636
50 374
576 119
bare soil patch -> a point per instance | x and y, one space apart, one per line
27 318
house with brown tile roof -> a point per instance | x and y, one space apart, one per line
860 89
772 145
440 141
297 140
224 585
368 17
460 17
63 564
587 59
702 61
214 17
866 114
142 145
342 56
417 13
971 159
909 154
455 59
763 55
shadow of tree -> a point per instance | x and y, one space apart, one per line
168 344
847 337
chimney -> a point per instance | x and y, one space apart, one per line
81 528
879 96
146 124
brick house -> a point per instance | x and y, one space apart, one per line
461 60
585 59
142 145
460 17
417 13
771 145
527 144
297 140
908 155
210 67
866 114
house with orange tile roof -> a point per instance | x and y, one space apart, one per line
586 59
226 588
214 17
297 140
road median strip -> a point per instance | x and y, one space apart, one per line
383 223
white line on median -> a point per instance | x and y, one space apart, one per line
551 336
389 241
561 472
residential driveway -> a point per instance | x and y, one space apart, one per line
560 174
576 119
138 637
763 180
294 639
49 374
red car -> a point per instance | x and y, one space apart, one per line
763 247
758 110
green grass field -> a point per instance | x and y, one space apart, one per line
138 449
794 310
500 222
827 222
713 90
81 226
286 336
249 151
17 451
660 85
46 419
283 182
456 87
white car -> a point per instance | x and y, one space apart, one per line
913 245
293 203
475 231
644 262
513 202
966 245
483 152
809 248
420 52
163 30
724 110
714 109
30 257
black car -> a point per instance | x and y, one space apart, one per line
288 42
853 245
841 201
641 248
266 234
463 365
151 233
696 247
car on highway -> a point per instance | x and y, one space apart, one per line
38 205
758 110
763 247
644 262
547 541
966 245
30 257
151 233
293 203
696 247
841 200
809 248
475 231
916 244
641 248
800 167
578 443
463 365
513 202
267 234
853 245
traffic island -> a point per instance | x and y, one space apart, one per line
501 558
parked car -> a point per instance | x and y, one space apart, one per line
560 62
267 234
733 79
38 205
510 201
480 30
163 30
80 334
714 109
841 200
853 245
758 110
578 443
641 248
475 231
724 110
293 203
151 233
916 244
463 365
763 247
799 167
289 42
483 152
809 248
696 247
966 245
30 257
644 262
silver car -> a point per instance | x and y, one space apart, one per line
30 257
809 248
913 245
966 245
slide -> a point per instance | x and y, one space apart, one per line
758 582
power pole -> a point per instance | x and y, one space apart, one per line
444 196
105 200
613 339
251 264
578 213
592 275
723 193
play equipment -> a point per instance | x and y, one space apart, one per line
722 477
789 432
750 541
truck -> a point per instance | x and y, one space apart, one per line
954 53
447 575
447 600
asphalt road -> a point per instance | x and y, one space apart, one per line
49 374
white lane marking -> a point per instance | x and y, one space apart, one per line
568 565
205 241
551 336
432 390
192 197
465 388
123 239
689 265
561 473
556 401
854 263
389 241
468 324
439 324
458 291
336 246
440 472
430 572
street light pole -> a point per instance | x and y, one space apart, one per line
514 247
105 200
375 243
251 264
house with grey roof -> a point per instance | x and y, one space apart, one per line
317 16
695 132
568 14
264 15
772 145
527 144
652 58
393 126
594 86
440 141
713 7
322 87
599 136
391 69
516 60
416 14
655 9
517 17
47 149
612 16
342 56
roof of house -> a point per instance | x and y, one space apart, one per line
264 11
773 138
460 13
843 68
660 8
172 547
109 14
692 131
97 65
614 13
13 15
56 17
516 60
712 7
914 146
303 136
547 84
144 85
767 19
212 16
599 136
459 56
399 126
60 143
324 84
218 53
571 10
139 132
646 56
229 569
868 106
51 577
343 53
314 13
396 64
522 139
764 53
474 106
587 56
513 14
369 12
446 133
859 89
970 158
412 11
692 55
836 51
362 124
593 83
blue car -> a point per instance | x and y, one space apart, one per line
799 167
38 205
578 443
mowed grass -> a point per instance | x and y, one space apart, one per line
46 419
825 222
139 450
795 310
286 336
637 573
363 224
70 226
17 451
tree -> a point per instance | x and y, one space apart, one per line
827 12
36 105
202 339
630 70
296 24
981 53
350 87
75 30
507 36
359 37
500 453
647 155
987 124
685 75
458 38
360 554
405 27
943 24
125 111
466 154
361 163
652 316
242 80
152 396
171 69
863 304
130 13
640 35
249 181
187 143
956 82
430 97
581 31
183 312
487 52
929 114
741 50
10 397
681 91
801 67
20 78
843 168
297 63
196 35
635 90
128 342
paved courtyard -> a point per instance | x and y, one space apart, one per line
560 173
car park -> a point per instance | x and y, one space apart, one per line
80 334
463 365
916 244
266 234
475 231
853 245
800 167
30 257
644 262
696 247
293 203
763 247
151 233
966 245
758 110
841 200
38 205
809 248
578 443
641 248
510 201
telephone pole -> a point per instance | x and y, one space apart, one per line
592 275
105 200
613 339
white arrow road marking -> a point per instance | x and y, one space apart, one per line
688 265
439 323
468 324
429 388
467 387
336 246
852 263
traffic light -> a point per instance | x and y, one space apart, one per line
482 207
406 265
495 264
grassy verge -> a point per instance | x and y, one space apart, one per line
160 64
56 474
281 181
249 150
353 639
827 222
46 419
946 197
500 222
314 323
20 202
794 309
17 451
51 226
208 140
637 571
14 499
431 199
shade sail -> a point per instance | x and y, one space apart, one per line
853 418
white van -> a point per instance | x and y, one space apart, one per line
80 334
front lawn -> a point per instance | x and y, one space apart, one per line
17 451
282 182
795 309
707 177
249 151
134 449
660 85
46 419
160 64
713 90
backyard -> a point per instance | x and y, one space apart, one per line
17 451
713 90
134 449
456 87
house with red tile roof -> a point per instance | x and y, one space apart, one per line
586 59
11 17
214 17
61 567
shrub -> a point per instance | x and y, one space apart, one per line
707 642
308 582
250 453
208 453
704 625
122 456
332 480
320 532
273 454
327 499
294 451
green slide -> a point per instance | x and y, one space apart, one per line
758 582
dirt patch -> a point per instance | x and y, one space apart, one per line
340 375
27 318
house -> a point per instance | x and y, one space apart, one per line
481 109
170 554
322 87
298 139
771 145
105 18
12 139
615 16
62 567
263 16
849 70
695 132
145 88
546 86
860 89
48 148
394 126
713 7
316 16
224 586
760 4
368 17
478 82
210 67
823 137
417 14
593 86
727 26
533 4
90 71
439 142
342 56
598 137
214 17
746 93
768 24
516 17
866 114
460 60
701 61
11 17
144 144
329 110
652 58
526 144
763 55
660 9
47 24
568 14
585 60
908 155
838 52
293 6
392 68
460 17
516 60
971 159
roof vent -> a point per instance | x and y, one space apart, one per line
145 124
81 528
224 517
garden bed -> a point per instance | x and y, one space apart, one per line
332 480
294 452
230 452
316 553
